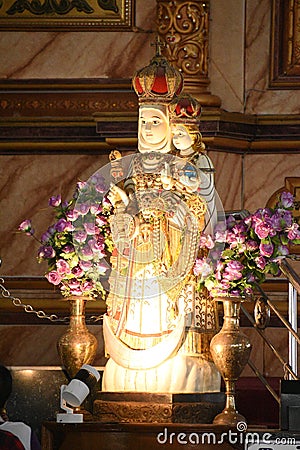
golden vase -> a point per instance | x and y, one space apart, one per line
230 350
77 346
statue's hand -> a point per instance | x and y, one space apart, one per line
117 195
166 177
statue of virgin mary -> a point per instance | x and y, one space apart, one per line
156 331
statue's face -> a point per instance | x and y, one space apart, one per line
181 137
153 127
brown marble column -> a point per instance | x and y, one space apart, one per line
183 26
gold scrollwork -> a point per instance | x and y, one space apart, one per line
183 26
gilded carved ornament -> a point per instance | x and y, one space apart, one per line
183 26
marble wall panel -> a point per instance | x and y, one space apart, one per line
79 54
259 98
228 179
227 53
27 183
265 175
35 345
240 59
239 55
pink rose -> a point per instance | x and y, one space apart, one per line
53 277
62 267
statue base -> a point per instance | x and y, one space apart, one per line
136 407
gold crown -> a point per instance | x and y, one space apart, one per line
159 81
184 109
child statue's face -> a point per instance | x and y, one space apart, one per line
181 137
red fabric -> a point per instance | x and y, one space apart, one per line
9 441
160 83
137 85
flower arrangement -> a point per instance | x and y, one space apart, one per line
243 252
76 244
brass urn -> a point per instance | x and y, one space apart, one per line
230 350
77 346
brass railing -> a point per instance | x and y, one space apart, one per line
290 367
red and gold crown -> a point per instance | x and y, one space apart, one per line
157 82
184 109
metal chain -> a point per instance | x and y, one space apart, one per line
28 308
40 314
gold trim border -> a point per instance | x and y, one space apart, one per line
123 20
284 74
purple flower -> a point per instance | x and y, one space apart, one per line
69 248
102 267
202 268
287 199
283 250
266 249
251 245
250 278
96 209
76 291
293 232
46 252
221 236
26 227
230 221
55 200
87 252
101 188
90 228
85 265
260 262
235 265
233 271
239 228
80 236
72 215
95 245
235 239
45 237
281 219
61 225
82 208
53 277
206 241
